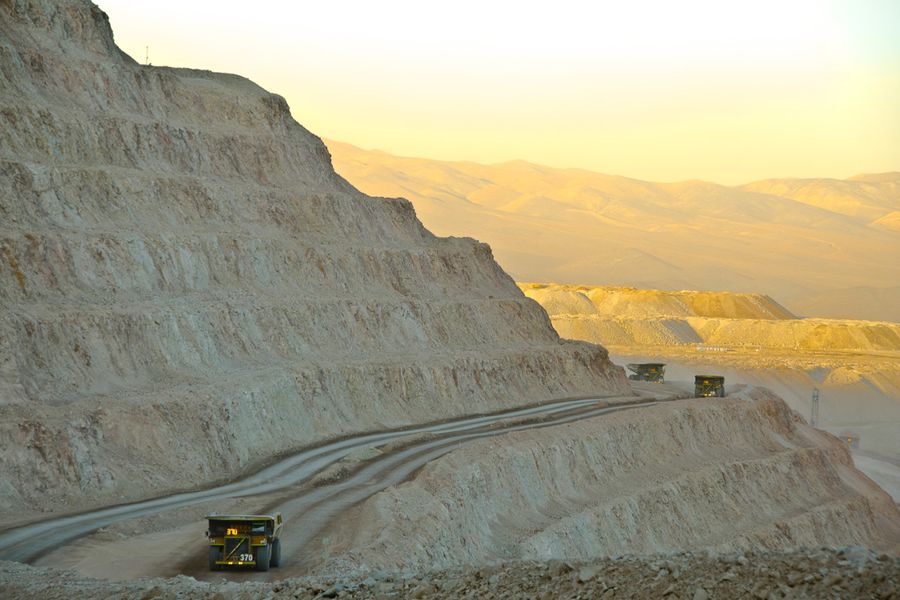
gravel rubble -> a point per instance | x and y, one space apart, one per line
824 573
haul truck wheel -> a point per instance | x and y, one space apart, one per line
276 553
215 554
262 558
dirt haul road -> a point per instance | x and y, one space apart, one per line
301 486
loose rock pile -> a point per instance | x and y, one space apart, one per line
825 573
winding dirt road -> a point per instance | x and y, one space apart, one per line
288 486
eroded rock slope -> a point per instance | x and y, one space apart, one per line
188 288
621 316
744 472
748 338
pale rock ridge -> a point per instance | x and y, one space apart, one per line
617 316
889 221
188 288
743 472
865 197
631 302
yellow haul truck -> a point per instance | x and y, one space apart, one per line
244 541
655 372
709 386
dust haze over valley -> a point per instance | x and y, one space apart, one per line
206 310
821 247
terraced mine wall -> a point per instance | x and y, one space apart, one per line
188 288
747 338
628 302
618 316
805 335
743 472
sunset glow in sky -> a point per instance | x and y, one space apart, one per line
722 90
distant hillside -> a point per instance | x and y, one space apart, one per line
865 198
626 317
789 239
749 339
848 303
630 302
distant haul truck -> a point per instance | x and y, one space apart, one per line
245 541
709 386
851 438
654 372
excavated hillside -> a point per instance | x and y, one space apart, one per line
749 339
617 316
730 474
188 288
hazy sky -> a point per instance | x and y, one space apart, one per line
729 91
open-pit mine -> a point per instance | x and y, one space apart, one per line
200 317
843 374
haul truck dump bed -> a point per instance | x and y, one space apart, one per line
654 372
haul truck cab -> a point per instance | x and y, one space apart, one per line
244 541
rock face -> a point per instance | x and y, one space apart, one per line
729 474
627 302
747 338
188 288
617 316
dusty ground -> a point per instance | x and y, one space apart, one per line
827 573
723 474
882 470
312 489
740 472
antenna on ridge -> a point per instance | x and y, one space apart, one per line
814 409
146 55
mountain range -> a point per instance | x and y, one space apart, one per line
823 247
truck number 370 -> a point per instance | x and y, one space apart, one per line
246 558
